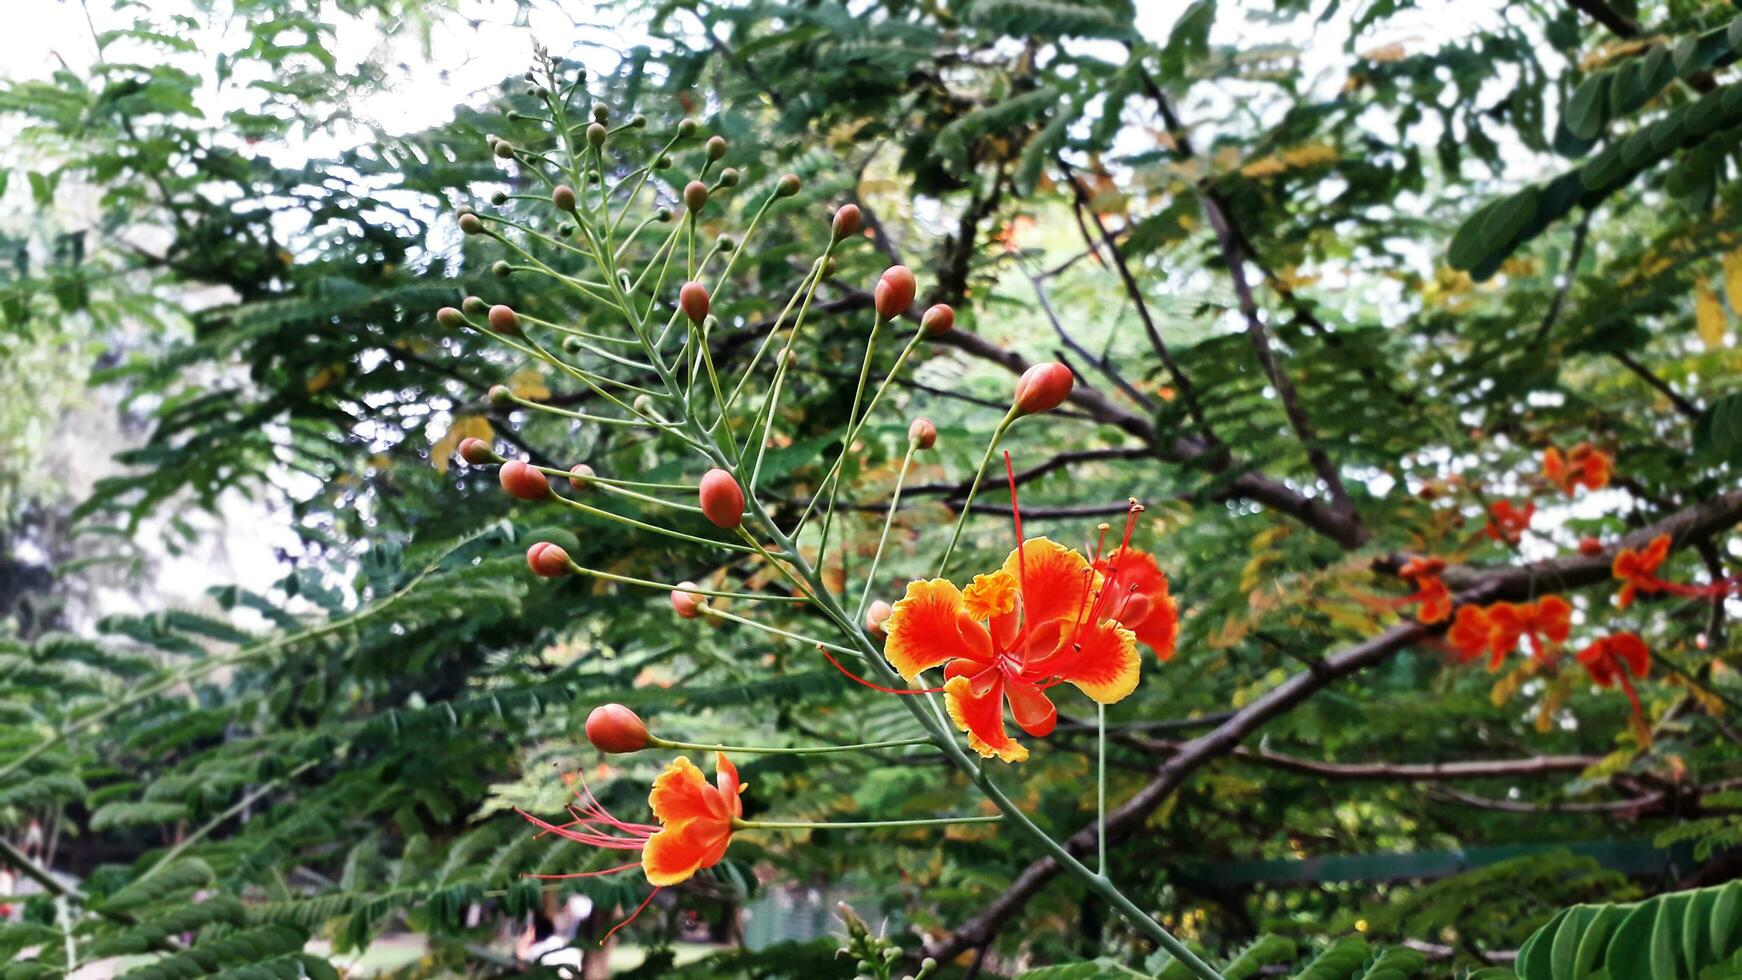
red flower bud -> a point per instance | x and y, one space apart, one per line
685 603
695 195
847 222
922 433
939 319
503 320
722 499
547 560
1590 547
580 476
477 452
450 318
1043 388
522 481
615 729
875 616
563 197
894 292
693 300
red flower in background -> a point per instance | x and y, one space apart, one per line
1584 466
1470 634
1508 523
1549 617
1637 569
1612 659
1430 593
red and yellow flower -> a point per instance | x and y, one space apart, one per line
1497 628
1508 523
1431 594
1583 466
1611 659
1045 618
1636 568
1143 606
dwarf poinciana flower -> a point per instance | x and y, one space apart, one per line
1612 658
1583 466
1496 629
695 823
1144 605
1508 523
1637 569
1431 594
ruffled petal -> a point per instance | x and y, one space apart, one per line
982 717
731 787
992 594
1101 660
1033 710
681 793
1146 609
1554 617
1469 633
679 851
1056 581
929 626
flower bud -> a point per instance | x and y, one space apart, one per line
1043 388
1590 547
595 135
580 476
477 452
450 318
615 729
471 224
638 121
563 197
716 147
565 230
685 603
662 215
922 433
787 186
663 163
499 198
721 498
464 210
729 177
473 306
695 195
522 481
547 560
693 300
501 269
686 127
894 291
503 320
847 221
939 319
601 112
504 149
499 396
875 616
725 243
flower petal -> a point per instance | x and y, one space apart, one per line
681 794
1033 710
1146 609
1055 581
678 852
1101 660
982 717
929 626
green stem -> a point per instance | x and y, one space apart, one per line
775 630
883 539
669 586
973 488
643 525
894 743
1101 789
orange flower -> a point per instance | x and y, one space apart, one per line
1611 659
1506 522
1549 617
1042 619
695 826
1585 466
1637 569
1144 606
1470 634
1430 592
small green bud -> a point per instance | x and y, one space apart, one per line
565 230
726 243
541 92
513 116
663 163
500 396
473 306
595 178
595 135
465 209
601 112
573 345
532 91
501 269
499 198
716 147
662 215
729 177
788 186
471 224
530 76
686 127
504 149
450 318
638 121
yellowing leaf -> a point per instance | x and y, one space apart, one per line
1709 318
528 383
465 427
1508 685
1733 280
1394 51
325 376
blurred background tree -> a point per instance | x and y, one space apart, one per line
1247 227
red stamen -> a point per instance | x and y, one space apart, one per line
588 874
631 918
877 687
1021 557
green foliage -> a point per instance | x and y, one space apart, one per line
1678 934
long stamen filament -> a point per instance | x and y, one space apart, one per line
741 824
893 743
